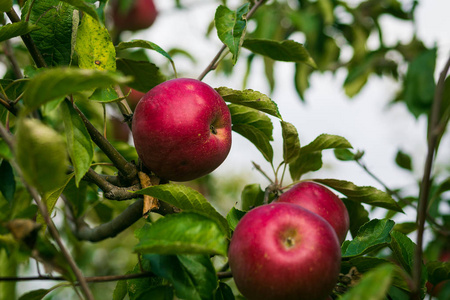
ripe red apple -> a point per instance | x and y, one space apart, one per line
140 15
320 200
182 129
283 251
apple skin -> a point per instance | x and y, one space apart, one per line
182 129
283 251
141 15
320 200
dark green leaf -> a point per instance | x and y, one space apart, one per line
187 199
79 142
364 194
233 217
419 83
224 292
120 291
5 5
257 137
250 98
9 31
358 215
145 75
94 46
245 115
252 195
231 27
84 7
41 154
192 276
7 181
183 233
374 285
288 50
371 236
403 160
60 82
291 142
406 227
403 249
438 271
156 293
35 294
57 22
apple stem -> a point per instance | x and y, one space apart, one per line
213 129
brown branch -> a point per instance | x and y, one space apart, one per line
28 41
44 212
433 136
126 169
111 191
7 49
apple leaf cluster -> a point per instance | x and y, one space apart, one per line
69 185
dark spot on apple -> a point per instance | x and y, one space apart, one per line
213 129
184 163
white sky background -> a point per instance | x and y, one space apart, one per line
365 120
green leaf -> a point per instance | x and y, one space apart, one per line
287 50
347 155
374 285
438 271
403 160
183 233
358 215
403 249
60 82
364 194
5 5
120 291
310 157
224 292
155 293
192 276
54 39
79 142
252 195
250 98
41 155
291 142
145 45
406 227
94 46
187 199
35 294
83 6
371 236
50 198
257 137
7 181
231 26
145 75
233 217
245 115
419 83
9 31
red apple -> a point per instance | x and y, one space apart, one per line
140 15
182 129
283 251
322 201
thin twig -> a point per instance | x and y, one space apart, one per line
88 279
44 212
260 170
433 135
12 60
111 191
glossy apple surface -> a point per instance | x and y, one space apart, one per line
320 200
140 15
283 251
182 129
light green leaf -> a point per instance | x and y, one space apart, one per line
291 142
364 194
183 233
231 26
83 6
79 142
9 31
252 195
187 199
245 115
41 155
326 141
374 285
233 217
288 50
94 46
371 236
257 137
60 82
250 98
54 37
